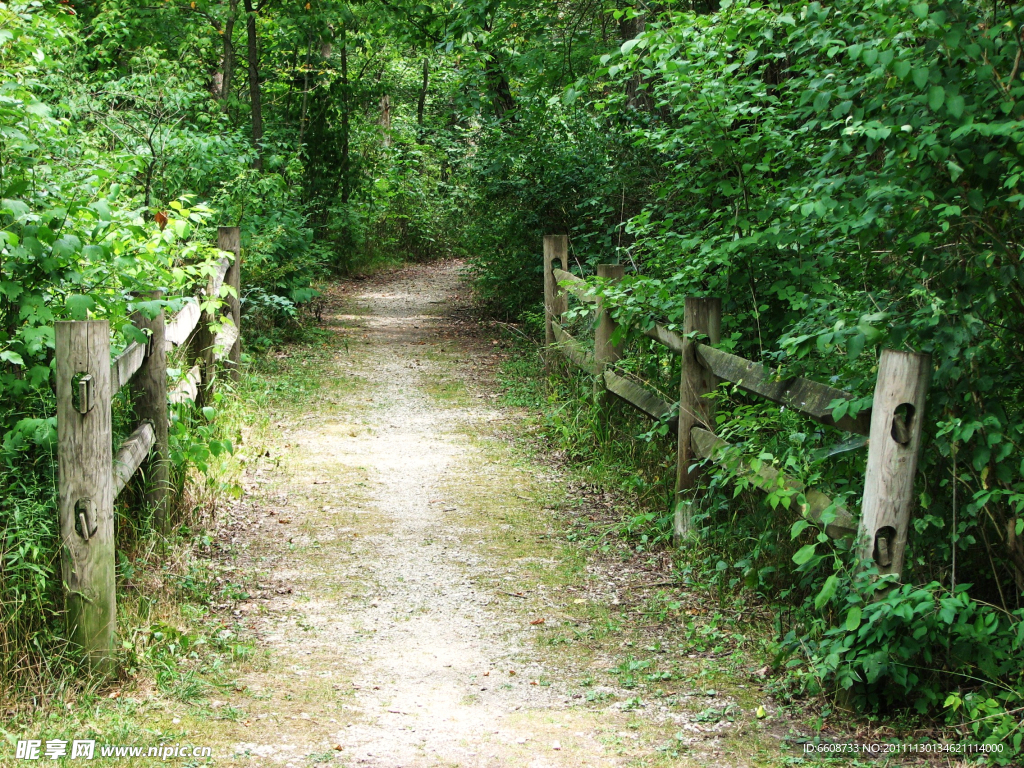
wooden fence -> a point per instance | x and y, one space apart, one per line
892 426
90 476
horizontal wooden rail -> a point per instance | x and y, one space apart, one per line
808 397
670 339
126 365
636 395
133 452
566 277
577 286
185 320
768 479
217 278
187 388
225 340
572 349
180 327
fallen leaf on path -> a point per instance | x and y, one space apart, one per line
537 621
284 520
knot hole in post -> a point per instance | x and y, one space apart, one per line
884 538
902 423
85 519
82 392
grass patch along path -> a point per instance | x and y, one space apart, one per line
420 602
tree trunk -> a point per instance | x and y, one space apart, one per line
304 112
423 92
385 119
220 85
501 92
228 66
255 95
346 186
636 97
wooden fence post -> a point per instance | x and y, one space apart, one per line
556 249
897 417
605 353
229 239
85 485
149 395
703 316
201 348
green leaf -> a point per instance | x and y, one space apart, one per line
102 210
805 553
828 591
131 333
628 46
853 618
78 306
15 208
936 96
855 346
920 77
901 69
955 105
920 10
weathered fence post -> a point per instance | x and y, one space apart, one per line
85 485
229 239
149 395
897 417
556 249
201 348
605 353
702 316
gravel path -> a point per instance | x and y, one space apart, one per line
383 650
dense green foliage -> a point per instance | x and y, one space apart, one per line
845 178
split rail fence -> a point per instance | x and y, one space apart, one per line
892 425
90 476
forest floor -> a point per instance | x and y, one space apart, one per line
404 578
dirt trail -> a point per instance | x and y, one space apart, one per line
385 644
